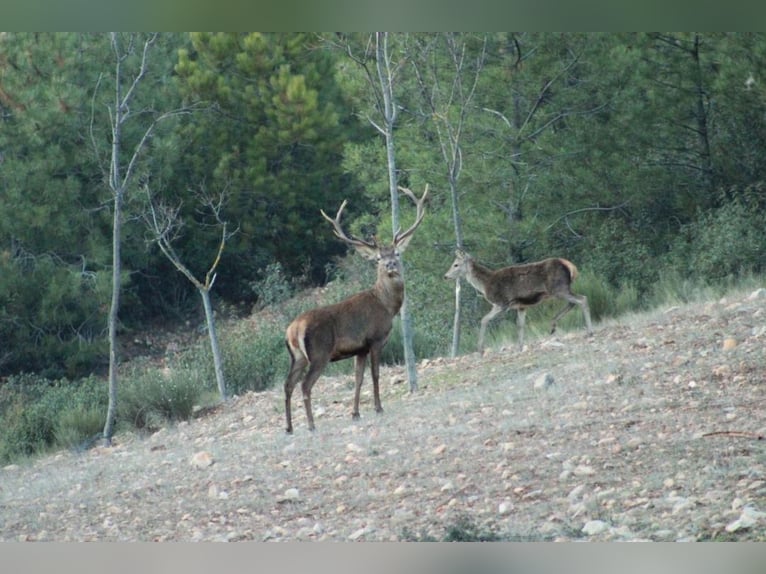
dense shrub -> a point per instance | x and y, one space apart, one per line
254 361
149 397
51 319
39 414
728 241
619 255
274 287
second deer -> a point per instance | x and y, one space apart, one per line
356 327
519 287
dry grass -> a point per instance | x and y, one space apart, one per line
617 447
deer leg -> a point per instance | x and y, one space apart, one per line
573 300
494 312
560 314
586 313
296 370
521 316
375 371
359 363
315 369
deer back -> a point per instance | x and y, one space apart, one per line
530 283
343 329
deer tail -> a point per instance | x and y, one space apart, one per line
295 338
571 267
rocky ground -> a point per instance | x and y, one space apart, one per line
653 429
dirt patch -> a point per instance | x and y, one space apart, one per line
653 429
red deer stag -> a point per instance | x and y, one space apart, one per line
356 327
520 286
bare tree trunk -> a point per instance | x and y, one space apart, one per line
386 77
456 320
118 185
211 331
118 191
111 412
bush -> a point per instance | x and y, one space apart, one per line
255 362
620 256
148 397
726 242
274 288
463 529
39 414
77 425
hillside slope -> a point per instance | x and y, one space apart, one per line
650 430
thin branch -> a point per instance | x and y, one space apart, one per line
141 72
92 122
583 210
145 138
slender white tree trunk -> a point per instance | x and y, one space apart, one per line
211 331
385 75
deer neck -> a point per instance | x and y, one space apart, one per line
478 276
390 292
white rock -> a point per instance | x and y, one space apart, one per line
357 534
544 381
584 470
593 527
292 493
202 459
757 294
749 518
575 493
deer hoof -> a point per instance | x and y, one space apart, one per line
355 416
378 410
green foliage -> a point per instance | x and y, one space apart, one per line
728 241
620 256
274 287
55 234
77 424
431 318
256 361
275 141
636 155
51 316
466 530
39 414
150 397
463 529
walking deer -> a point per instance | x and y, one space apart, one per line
356 327
521 286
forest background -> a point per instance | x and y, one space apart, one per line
639 156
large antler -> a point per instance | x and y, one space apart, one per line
338 230
400 237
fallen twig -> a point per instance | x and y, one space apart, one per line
743 434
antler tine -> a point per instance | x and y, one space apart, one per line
338 230
420 203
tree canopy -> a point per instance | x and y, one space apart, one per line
632 154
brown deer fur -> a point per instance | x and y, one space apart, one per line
356 327
521 286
